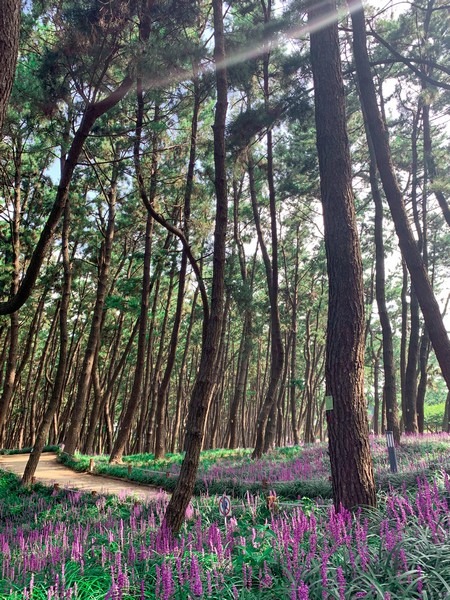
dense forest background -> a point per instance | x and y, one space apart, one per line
107 346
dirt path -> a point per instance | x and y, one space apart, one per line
50 471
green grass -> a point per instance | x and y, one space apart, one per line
27 450
417 457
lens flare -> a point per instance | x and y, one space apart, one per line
258 49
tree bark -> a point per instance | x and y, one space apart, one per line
9 48
207 376
13 350
348 431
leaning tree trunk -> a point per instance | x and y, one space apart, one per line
207 375
9 48
408 246
348 430
90 116
84 384
58 385
127 417
13 349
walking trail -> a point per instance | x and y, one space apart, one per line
50 471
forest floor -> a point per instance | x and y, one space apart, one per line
50 471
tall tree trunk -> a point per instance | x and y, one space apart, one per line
157 372
207 376
58 386
424 351
275 342
238 399
105 392
129 411
9 48
376 391
13 350
127 417
408 246
293 366
403 339
410 416
160 437
446 419
348 431
85 378
389 388
265 434
175 443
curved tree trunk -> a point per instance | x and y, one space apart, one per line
348 431
160 416
91 114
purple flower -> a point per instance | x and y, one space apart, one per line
419 580
168 586
195 581
341 583
302 591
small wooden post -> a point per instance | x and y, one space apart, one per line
91 465
129 470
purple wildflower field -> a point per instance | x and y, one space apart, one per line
310 461
61 544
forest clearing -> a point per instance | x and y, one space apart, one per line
224 274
